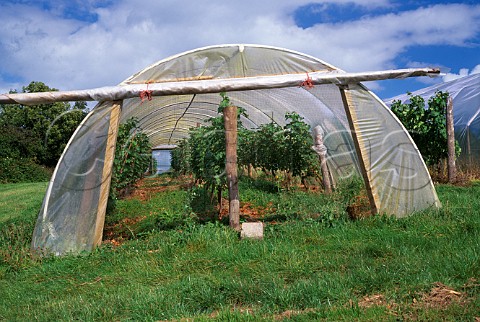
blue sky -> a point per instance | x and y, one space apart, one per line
81 44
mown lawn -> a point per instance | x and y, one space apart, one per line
171 266
20 200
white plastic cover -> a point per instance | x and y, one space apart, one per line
76 195
398 178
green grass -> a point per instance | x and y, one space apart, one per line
20 200
303 270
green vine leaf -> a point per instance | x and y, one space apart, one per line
224 102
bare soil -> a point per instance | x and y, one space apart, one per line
440 297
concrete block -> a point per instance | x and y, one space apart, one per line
252 230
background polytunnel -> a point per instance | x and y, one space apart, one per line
361 134
465 92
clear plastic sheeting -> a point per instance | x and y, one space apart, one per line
229 61
372 142
465 92
68 218
397 175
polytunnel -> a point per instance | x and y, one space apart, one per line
173 95
465 93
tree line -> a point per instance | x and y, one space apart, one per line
32 137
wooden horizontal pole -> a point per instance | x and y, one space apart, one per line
126 91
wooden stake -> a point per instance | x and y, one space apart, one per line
107 171
469 150
452 171
231 169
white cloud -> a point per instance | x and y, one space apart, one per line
373 43
476 70
462 73
131 34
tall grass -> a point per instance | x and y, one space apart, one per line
19 207
301 270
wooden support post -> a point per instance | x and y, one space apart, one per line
358 148
321 150
469 149
231 169
107 170
452 171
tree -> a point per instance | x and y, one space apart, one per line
17 142
42 130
